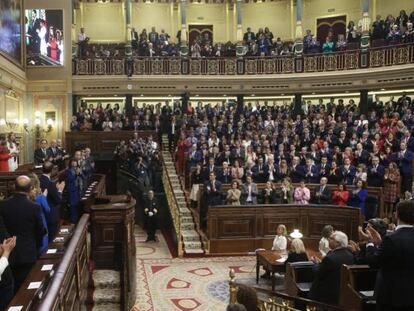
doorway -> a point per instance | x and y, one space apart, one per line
202 32
335 23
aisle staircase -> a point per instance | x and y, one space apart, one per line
190 237
106 290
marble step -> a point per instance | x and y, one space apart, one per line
184 211
106 279
107 307
187 219
194 251
187 226
107 295
190 236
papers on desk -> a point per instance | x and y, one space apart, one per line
46 268
38 166
281 259
51 251
15 308
34 285
64 230
59 239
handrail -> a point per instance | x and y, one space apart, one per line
277 300
173 205
49 301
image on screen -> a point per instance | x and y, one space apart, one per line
10 29
44 37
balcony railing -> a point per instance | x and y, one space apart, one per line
337 61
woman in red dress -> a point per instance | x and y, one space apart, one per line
340 196
181 150
4 155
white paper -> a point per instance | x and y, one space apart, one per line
51 251
34 285
15 308
46 268
64 230
283 259
367 293
59 239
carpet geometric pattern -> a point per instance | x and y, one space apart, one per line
185 284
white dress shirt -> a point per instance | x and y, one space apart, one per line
3 265
279 243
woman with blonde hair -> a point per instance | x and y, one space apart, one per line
297 251
41 199
280 241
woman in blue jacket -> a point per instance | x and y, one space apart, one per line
358 196
73 177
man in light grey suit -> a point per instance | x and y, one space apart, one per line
249 191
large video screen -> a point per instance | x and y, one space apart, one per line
10 29
44 37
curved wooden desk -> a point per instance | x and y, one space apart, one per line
242 229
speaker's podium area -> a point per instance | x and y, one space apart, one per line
206 155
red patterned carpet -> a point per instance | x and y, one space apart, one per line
168 284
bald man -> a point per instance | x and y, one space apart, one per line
22 219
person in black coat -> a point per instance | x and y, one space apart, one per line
394 255
376 173
6 278
150 220
322 194
41 154
326 284
54 198
22 219
297 252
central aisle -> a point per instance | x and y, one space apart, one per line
168 284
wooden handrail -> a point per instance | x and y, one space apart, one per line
48 303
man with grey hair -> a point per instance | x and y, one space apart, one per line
326 284
376 173
322 194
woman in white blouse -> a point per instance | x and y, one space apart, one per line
280 241
324 242
13 149
107 125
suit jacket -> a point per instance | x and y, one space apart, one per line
54 199
326 284
254 192
297 173
348 175
225 177
22 219
213 194
405 162
313 177
376 176
325 196
394 257
40 156
260 176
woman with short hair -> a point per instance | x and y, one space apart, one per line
297 251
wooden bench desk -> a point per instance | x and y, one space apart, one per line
270 262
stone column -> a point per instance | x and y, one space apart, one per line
298 46
184 39
73 31
241 49
128 46
365 24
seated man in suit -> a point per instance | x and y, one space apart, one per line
22 219
326 284
249 191
54 198
322 194
394 255
41 154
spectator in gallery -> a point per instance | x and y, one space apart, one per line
409 33
341 43
41 198
402 20
394 36
307 39
153 36
195 49
249 36
297 252
324 241
268 35
391 181
352 32
249 191
233 194
107 125
269 194
378 28
150 216
341 195
83 40
313 46
322 193
302 193
328 46
264 44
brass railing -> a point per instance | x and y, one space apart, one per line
276 301
327 62
173 207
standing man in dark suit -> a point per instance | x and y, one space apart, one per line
212 192
405 159
22 219
322 194
173 129
394 255
376 173
54 198
150 220
41 154
326 284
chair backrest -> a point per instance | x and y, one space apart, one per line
302 271
363 279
